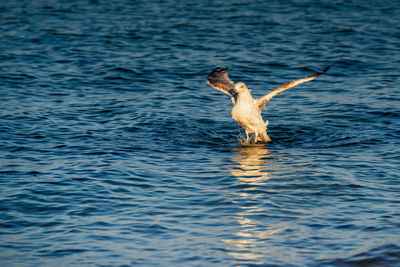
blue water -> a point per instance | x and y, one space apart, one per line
115 152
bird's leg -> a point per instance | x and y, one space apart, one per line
255 138
247 137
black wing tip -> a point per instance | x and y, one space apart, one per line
219 69
216 71
321 72
325 69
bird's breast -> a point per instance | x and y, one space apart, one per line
243 113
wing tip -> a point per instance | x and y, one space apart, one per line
215 74
219 69
325 69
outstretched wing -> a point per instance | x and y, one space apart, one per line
265 99
219 79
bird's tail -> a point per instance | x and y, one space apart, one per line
264 136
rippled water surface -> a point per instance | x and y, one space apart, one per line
115 152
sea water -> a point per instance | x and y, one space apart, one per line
115 152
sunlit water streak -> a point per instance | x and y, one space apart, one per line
114 151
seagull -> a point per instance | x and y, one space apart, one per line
247 110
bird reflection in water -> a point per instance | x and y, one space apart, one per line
248 244
252 164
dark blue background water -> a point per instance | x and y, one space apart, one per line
114 151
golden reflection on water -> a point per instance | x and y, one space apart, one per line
251 165
253 169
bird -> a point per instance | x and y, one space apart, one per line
246 110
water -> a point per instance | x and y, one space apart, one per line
115 152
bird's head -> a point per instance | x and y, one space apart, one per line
240 87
